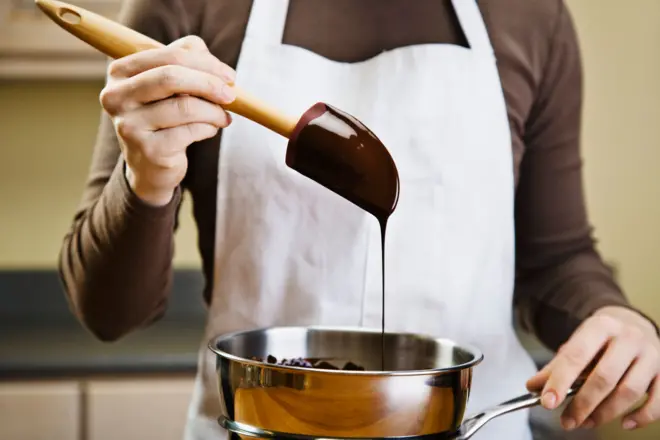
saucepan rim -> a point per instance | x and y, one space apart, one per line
477 354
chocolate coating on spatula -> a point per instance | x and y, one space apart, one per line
337 151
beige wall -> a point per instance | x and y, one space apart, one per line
47 131
622 136
47 135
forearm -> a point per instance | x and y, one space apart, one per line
116 261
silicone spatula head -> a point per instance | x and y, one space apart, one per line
338 151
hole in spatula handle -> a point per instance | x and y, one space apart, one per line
71 17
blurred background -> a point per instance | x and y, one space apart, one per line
57 382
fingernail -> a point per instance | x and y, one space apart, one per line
549 399
569 424
629 425
228 76
228 94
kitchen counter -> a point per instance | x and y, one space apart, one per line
60 349
40 337
64 348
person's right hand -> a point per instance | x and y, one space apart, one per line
161 101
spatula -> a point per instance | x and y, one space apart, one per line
325 144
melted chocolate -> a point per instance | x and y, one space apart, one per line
339 152
336 150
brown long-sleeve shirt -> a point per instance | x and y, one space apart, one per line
116 261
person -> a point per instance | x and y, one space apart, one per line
479 104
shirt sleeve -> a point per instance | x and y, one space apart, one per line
561 278
115 262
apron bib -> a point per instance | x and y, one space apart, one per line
291 252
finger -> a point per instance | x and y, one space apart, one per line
186 134
576 355
629 392
139 62
538 381
164 82
196 44
619 355
190 42
647 413
180 110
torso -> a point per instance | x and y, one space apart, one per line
289 252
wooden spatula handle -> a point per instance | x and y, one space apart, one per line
117 41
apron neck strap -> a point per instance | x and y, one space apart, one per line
473 25
267 20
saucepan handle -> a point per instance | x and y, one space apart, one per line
474 423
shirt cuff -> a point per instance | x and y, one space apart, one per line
554 322
639 312
133 204
604 294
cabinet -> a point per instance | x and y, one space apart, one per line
127 408
33 47
40 410
138 409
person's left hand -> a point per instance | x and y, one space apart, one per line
625 349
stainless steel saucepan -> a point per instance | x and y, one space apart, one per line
423 392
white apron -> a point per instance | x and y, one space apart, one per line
291 252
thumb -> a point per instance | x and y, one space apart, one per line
537 382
